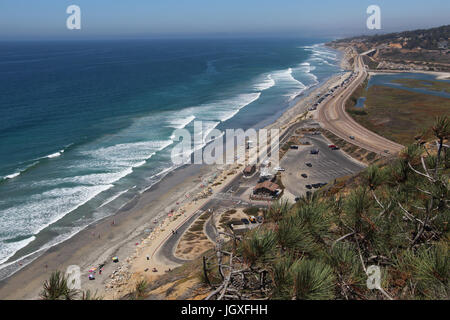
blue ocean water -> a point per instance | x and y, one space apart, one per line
86 126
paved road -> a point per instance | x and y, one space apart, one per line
336 163
226 199
326 166
333 117
167 250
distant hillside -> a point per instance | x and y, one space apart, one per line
409 50
430 39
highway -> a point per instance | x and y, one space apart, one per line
333 117
328 165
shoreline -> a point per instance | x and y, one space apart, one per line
127 232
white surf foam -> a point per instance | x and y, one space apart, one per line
286 80
12 176
265 84
7 250
37 212
225 109
55 155
181 122
129 154
113 198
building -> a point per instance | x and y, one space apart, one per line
267 188
395 45
443 45
249 170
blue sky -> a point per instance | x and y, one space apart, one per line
29 19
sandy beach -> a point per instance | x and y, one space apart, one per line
138 230
114 236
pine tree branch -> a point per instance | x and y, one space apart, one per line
342 238
420 173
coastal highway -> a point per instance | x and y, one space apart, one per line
333 117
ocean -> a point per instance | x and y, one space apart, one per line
87 126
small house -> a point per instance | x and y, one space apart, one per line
266 188
249 170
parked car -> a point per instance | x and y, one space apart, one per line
352 137
308 186
245 221
304 175
279 169
309 164
294 147
315 151
260 219
323 184
297 199
331 146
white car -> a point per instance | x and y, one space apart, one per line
279 169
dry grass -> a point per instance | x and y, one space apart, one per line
360 154
400 115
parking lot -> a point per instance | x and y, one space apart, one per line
326 166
